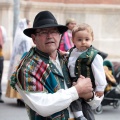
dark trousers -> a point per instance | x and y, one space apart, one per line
81 105
76 105
1 72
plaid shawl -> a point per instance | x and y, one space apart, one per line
38 70
37 76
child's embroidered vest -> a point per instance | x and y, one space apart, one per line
83 64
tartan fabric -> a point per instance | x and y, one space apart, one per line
37 76
36 73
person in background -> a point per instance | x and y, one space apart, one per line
3 36
42 77
66 40
85 60
22 44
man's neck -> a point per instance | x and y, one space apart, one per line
53 55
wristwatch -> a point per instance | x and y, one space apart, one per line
90 99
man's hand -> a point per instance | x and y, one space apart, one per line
99 93
84 87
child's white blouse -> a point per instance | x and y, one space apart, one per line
97 68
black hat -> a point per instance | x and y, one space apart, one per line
44 19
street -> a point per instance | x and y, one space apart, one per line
9 110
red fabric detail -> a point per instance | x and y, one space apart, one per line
39 73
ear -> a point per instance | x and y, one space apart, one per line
72 39
33 38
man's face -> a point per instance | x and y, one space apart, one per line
47 39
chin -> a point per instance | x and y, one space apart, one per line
50 50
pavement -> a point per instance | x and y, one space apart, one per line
9 110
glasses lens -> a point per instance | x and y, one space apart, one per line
45 33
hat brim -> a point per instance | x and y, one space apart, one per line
29 31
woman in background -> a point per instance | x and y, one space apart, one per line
66 41
22 44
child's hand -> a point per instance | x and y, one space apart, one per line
63 52
74 83
99 93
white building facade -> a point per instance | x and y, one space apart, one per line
104 19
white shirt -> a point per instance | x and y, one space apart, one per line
97 69
57 64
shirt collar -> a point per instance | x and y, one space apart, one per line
57 59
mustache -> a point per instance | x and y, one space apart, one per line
49 40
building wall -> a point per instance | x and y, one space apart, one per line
101 15
81 1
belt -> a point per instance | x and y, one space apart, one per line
71 119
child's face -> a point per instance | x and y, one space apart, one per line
82 40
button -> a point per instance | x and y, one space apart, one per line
87 55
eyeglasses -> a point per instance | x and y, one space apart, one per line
45 33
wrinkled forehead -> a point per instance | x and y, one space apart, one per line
47 29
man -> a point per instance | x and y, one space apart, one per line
42 76
2 40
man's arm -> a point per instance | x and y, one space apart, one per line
47 104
